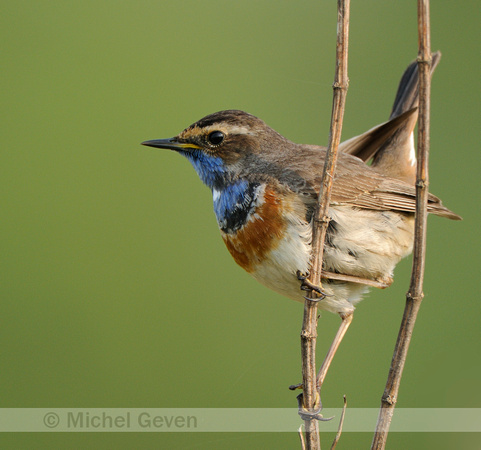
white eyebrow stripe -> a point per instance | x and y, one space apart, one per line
225 127
228 128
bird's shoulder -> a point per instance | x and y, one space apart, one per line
300 170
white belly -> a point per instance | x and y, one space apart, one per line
366 243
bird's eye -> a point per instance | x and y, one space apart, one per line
216 137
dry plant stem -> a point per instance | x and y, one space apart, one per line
310 396
415 293
341 423
301 437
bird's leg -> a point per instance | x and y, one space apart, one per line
346 320
306 285
381 283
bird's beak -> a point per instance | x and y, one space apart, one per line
171 144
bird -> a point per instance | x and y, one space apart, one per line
265 190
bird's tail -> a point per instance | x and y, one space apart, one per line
407 96
397 156
391 144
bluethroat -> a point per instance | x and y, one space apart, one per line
265 189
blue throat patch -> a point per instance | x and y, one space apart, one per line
233 201
211 169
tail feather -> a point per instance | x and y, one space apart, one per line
366 145
397 156
391 144
435 206
407 95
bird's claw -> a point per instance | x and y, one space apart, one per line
301 276
306 285
311 415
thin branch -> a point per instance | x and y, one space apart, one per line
415 293
310 396
341 423
301 436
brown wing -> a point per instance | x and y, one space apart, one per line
358 185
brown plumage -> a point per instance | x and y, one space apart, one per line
265 189
259 152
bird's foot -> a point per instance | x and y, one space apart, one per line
306 285
310 415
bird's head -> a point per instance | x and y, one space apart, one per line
222 146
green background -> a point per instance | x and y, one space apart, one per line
116 290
